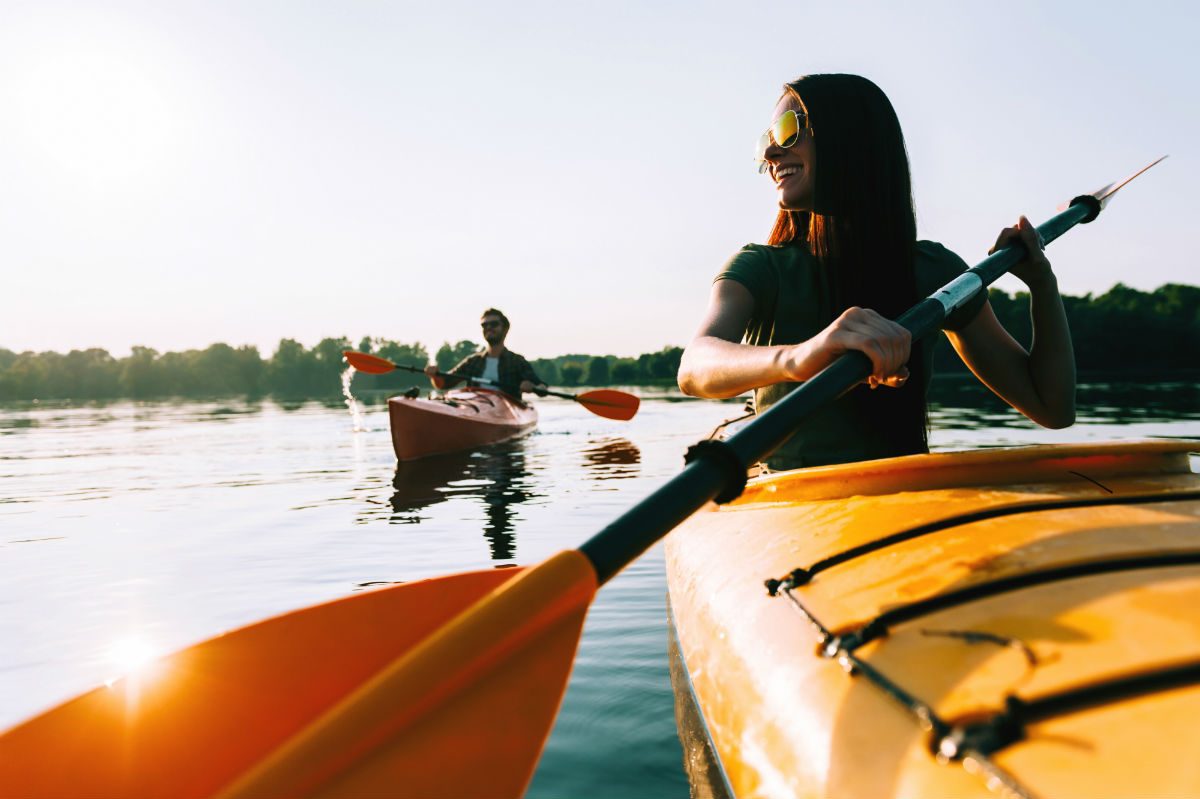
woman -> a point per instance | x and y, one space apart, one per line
842 261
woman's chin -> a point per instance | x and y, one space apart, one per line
794 203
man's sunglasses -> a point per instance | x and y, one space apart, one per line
491 323
784 132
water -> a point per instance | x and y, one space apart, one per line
152 526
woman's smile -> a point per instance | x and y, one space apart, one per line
791 166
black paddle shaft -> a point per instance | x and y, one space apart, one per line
717 471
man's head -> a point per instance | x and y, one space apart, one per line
494 325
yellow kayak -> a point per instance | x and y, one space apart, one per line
1013 622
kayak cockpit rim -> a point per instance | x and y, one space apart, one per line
1049 463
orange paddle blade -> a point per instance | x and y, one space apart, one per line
610 404
371 364
418 690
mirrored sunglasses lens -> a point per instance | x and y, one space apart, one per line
786 129
764 141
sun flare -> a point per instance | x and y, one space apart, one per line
96 111
132 655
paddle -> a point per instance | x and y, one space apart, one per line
602 402
444 687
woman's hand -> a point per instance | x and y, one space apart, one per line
1034 270
885 342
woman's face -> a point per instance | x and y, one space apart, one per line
793 169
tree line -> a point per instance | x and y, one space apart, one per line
1121 332
293 371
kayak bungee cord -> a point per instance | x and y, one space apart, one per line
972 742
803 575
924 713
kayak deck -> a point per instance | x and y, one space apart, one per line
1020 611
462 419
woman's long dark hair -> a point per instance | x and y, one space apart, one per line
863 230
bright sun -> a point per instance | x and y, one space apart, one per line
95 110
131 655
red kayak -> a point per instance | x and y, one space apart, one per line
461 419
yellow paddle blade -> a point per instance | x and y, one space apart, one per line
371 364
465 713
414 690
610 404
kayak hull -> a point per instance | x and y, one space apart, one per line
461 420
992 575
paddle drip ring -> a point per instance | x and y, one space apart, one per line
723 456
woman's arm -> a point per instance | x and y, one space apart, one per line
1039 383
716 365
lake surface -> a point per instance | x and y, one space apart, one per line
166 523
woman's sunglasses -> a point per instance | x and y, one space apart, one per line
784 132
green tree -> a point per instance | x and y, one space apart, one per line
547 369
413 354
250 371
27 376
140 377
597 372
625 372
289 369
449 356
213 371
664 364
571 373
326 378
94 374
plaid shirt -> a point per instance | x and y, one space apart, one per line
512 370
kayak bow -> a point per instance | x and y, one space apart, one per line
1016 614
463 419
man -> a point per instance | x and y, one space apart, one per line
497 364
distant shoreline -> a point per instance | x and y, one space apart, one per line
668 390
1124 334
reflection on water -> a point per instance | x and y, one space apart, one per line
501 478
497 476
967 404
612 459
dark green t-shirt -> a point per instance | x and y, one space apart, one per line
793 301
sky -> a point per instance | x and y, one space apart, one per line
174 174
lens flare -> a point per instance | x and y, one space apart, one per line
131 656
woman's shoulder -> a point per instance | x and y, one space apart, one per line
936 264
756 253
757 266
762 256
936 253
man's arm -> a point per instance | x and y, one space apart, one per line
466 368
529 379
